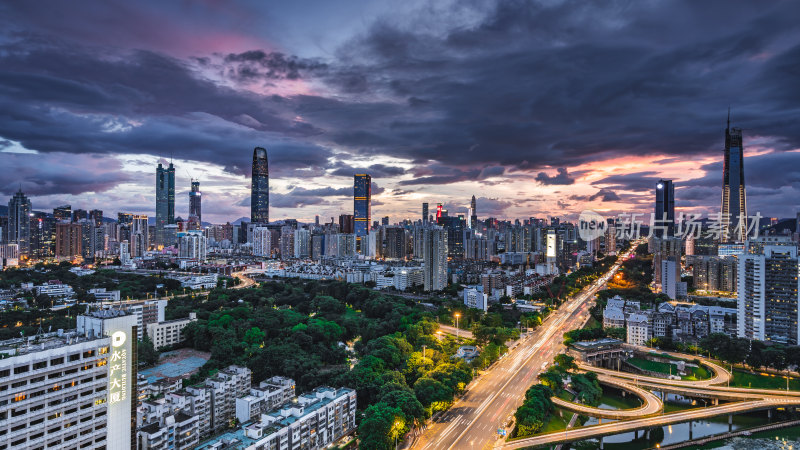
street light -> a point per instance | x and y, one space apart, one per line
457 316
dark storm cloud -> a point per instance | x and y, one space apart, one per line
61 173
375 170
562 177
255 64
638 181
605 195
518 88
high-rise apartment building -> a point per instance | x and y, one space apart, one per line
96 216
43 236
63 213
165 201
768 287
192 245
73 389
19 223
195 198
262 241
259 189
140 236
69 240
362 196
664 219
734 199
434 255
346 223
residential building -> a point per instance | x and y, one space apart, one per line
435 258
638 329
167 333
474 298
768 294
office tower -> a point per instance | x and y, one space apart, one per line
72 389
69 242
259 189
473 219
346 223
79 214
734 198
768 287
96 216
43 236
192 245
19 222
434 251
454 226
438 211
425 213
665 208
63 213
165 200
195 202
362 197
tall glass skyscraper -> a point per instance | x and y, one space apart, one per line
195 201
734 200
259 189
473 206
165 200
665 207
362 194
19 222
424 213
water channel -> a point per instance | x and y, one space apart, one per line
613 399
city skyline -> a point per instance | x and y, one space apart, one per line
370 96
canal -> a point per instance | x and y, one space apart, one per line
672 434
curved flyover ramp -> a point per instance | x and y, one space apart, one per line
650 403
721 375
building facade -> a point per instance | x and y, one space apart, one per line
165 200
259 189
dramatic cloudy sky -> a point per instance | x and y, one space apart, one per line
536 107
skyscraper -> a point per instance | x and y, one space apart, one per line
768 287
665 208
259 189
165 200
362 195
434 255
19 222
734 199
425 213
473 220
194 201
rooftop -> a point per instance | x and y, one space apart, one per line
32 344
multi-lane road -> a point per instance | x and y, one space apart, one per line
490 401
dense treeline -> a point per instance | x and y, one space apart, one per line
129 284
402 371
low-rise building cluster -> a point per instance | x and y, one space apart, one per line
678 321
